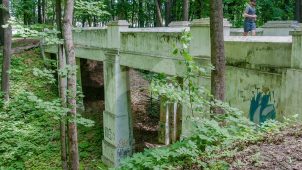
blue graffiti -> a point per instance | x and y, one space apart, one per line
262 108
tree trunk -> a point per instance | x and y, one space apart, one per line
6 51
62 86
89 21
40 12
72 88
198 7
168 12
159 19
140 14
186 6
217 52
1 23
43 11
112 9
83 21
298 11
133 13
53 15
95 22
122 13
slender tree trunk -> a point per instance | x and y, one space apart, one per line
1 23
217 52
53 15
62 86
112 9
168 12
186 7
197 9
40 12
6 51
72 88
159 19
140 14
122 13
43 11
298 10
95 24
83 21
174 10
133 13
89 21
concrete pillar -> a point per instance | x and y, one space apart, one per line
292 79
118 135
113 32
201 42
296 58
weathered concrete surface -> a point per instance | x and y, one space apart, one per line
279 28
292 92
243 85
90 37
156 43
251 52
201 43
239 32
118 137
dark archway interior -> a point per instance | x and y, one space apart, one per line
92 85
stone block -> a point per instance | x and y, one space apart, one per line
113 155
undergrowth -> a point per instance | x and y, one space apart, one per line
213 142
29 128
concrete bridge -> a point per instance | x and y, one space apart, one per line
264 73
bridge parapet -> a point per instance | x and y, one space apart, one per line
90 37
259 51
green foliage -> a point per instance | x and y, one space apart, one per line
29 129
266 11
278 10
213 141
27 133
90 9
49 36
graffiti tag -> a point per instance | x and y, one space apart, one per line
262 107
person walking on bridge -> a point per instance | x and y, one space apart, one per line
250 18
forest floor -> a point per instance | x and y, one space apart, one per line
280 151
